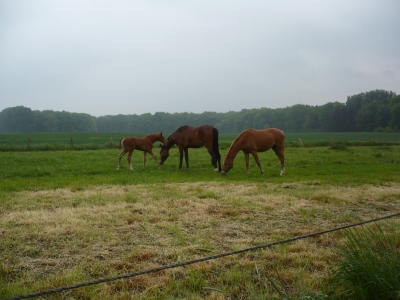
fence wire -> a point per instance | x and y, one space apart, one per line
185 263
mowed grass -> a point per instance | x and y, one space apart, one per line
69 216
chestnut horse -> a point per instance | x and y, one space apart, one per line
143 144
193 137
253 141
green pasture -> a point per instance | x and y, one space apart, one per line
69 216
78 169
95 141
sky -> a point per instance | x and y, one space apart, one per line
135 57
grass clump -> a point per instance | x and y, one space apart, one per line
368 266
340 146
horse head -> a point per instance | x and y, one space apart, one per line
164 152
228 164
161 138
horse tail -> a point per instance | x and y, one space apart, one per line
216 147
121 143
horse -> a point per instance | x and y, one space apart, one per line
254 141
193 137
144 144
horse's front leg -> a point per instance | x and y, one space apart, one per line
144 159
155 157
246 159
119 158
187 157
180 157
255 155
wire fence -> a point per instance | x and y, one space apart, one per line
190 262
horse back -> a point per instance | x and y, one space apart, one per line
265 139
131 143
194 137
205 135
278 136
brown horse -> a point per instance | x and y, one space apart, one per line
143 144
193 137
253 141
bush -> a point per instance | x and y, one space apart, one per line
368 266
338 146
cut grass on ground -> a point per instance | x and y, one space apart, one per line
59 237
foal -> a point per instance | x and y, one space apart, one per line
143 144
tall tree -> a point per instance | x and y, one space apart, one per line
394 109
17 119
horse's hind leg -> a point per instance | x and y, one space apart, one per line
219 162
119 158
213 159
280 152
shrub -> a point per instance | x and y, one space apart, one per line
338 146
368 266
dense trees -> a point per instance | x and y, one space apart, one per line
377 110
21 119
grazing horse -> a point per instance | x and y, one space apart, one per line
253 141
143 144
193 137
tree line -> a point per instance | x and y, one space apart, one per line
377 110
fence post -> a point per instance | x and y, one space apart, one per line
29 142
72 141
111 141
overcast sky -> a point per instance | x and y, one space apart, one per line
135 57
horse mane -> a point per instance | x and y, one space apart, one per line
182 128
240 134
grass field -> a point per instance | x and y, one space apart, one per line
69 216
95 141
